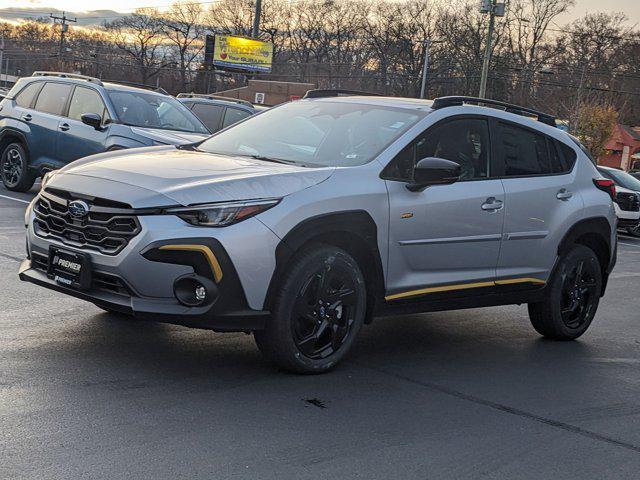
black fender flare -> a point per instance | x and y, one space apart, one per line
353 229
595 233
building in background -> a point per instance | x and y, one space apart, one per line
623 149
264 92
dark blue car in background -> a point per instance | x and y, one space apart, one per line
50 119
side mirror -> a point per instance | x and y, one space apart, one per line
433 171
92 119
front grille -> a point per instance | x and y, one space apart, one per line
100 281
101 230
629 202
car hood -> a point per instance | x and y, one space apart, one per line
188 177
170 137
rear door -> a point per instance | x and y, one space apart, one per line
44 122
76 139
541 200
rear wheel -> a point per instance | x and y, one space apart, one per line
318 309
634 231
574 294
14 169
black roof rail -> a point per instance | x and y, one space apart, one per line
336 92
76 76
154 88
443 102
207 96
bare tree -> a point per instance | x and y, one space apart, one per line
139 36
183 29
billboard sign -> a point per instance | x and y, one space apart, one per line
241 53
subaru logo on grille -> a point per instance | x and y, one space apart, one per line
78 209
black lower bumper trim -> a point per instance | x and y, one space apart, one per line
154 309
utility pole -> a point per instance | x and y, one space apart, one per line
256 20
64 27
2 57
425 69
494 9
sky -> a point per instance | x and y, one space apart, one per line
41 7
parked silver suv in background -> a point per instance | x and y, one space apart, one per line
304 222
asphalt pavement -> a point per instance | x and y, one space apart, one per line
452 395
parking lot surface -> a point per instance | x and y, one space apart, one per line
464 394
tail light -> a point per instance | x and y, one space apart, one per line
606 186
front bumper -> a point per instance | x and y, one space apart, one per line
140 280
628 223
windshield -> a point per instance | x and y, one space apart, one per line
315 133
140 109
623 179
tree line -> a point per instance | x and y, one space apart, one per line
368 45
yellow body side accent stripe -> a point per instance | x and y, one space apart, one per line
204 250
462 286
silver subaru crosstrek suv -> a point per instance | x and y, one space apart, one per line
303 223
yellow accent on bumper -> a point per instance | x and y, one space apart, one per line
462 286
204 250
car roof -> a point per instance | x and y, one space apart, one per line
217 101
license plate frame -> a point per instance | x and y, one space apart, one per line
68 268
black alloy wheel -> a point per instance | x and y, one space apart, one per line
14 168
324 313
579 290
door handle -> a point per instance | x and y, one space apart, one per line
64 127
564 194
27 118
492 205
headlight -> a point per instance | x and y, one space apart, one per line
46 177
222 214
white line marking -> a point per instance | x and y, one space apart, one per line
16 199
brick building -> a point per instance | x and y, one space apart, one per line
623 149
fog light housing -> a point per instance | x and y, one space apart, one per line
194 290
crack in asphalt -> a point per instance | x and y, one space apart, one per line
508 409
11 257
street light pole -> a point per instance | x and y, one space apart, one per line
256 20
494 9
425 69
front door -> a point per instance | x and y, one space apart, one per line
76 139
446 237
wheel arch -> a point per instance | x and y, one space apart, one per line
594 233
354 231
9 135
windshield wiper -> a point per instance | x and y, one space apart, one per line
269 159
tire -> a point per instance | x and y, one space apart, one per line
574 294
317 311
635 231
14 169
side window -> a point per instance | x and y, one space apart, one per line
53 98
570 156
25 97
86 100
209 114
464 141
234 115
524 152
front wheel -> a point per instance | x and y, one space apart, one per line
14 169
574 294
318 309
